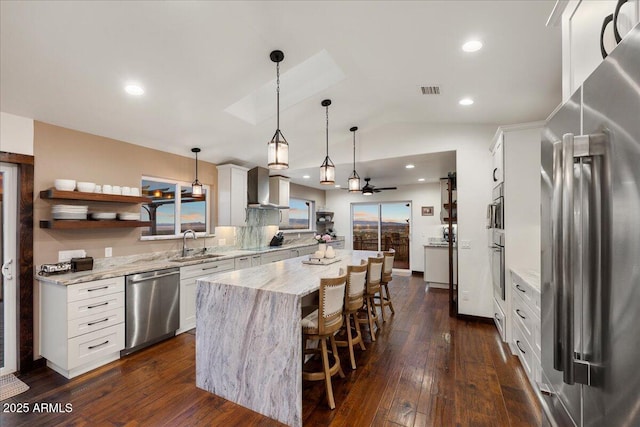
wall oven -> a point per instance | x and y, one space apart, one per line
495 211
497 264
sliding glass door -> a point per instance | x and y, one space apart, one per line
381 227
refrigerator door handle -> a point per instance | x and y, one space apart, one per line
566 274
557 249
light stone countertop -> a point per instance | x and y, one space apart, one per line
290 276
530 276
155 261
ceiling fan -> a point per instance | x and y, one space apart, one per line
369 189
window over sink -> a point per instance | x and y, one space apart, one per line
173 209
300 215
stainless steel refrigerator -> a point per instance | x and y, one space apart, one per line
591 248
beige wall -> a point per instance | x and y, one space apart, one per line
308 193
66 153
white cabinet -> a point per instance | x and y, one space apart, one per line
242 262
497 154
279 195
275 256
232 195
188 288
82 325
336 244
436 266
525 305
581 27
309 250
256 260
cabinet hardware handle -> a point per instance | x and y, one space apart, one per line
519 314
607 20
520 289
243 259
520 348
210 268
91 347
616 33
99 321
497 317
98 305
97 289
494 174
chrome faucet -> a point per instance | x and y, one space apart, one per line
184 241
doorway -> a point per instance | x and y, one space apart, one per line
381 227
8 251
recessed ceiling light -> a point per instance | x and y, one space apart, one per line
337 185
134 90
306 176
410 166
420 179
472 46
466 101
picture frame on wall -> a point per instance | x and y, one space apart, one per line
427 211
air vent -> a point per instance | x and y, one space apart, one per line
431 90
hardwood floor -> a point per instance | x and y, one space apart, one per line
425 369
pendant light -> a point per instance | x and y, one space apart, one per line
327 169
354 179
278 147
196 187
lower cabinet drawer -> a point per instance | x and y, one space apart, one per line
92 306
498 319
97 321
524 350
96 345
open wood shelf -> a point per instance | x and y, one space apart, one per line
66 224
52 193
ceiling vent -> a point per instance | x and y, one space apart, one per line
430 90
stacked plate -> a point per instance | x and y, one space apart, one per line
129 216
103 215
69 212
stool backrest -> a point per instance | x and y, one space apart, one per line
387 265
374 274
331 303
356 282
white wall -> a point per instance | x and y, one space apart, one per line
473 166
16 134
422 227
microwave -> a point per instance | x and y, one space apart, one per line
495 210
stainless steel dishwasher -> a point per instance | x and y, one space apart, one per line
152 305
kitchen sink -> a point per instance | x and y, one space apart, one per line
195 257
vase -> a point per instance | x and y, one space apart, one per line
322 247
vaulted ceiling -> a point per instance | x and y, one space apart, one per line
66 63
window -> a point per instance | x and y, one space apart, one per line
173 209
300 215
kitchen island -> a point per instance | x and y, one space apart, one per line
249 334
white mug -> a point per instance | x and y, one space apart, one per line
116 190
126 191
107 189
135 191
98 189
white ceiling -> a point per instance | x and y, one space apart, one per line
66 63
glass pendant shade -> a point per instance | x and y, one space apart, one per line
354 183
327 172
278 152
196 186
278 147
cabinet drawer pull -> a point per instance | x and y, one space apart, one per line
99 321
520 314
520 289
98 305
520 348
243 259
91 347
210 268
97 289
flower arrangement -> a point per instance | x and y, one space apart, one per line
322 238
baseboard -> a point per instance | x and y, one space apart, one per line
470 318
417 273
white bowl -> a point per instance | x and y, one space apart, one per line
64 184
86 187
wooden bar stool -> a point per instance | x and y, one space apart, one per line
384 298
354 301
374 277
321 325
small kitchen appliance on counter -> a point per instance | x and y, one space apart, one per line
55 268
277 240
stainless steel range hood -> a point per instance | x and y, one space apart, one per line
258 190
